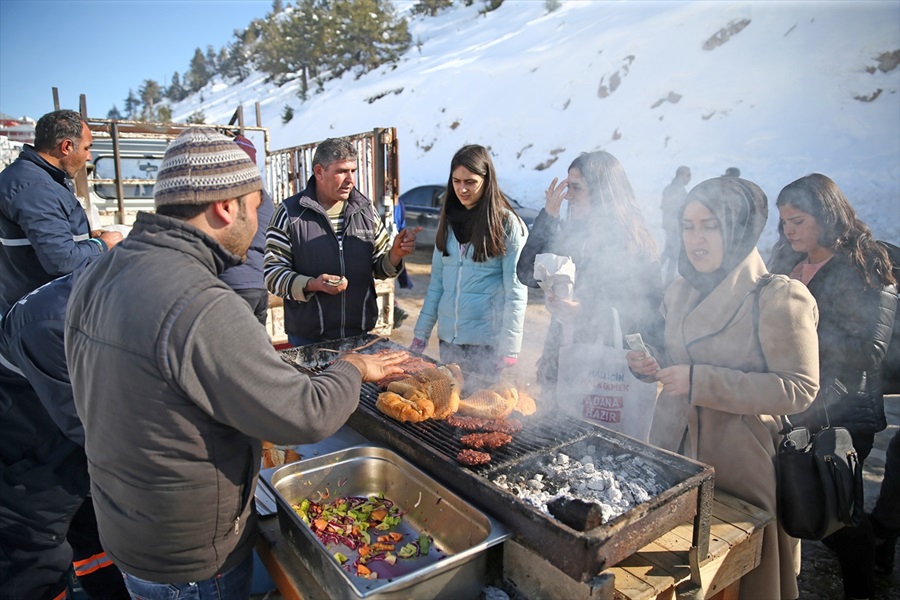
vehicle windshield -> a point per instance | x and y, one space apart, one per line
144 167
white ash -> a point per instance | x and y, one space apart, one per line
614 483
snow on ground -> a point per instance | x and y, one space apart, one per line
778 99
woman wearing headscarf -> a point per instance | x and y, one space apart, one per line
824 245
738 347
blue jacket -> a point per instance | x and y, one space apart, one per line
31 345
477 303
249 274
44 231
45 477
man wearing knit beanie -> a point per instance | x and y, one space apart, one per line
247 279
177 384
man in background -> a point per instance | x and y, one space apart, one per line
177 384
47 516
44 231
324 249
247 278
672 198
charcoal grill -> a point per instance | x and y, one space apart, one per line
433 446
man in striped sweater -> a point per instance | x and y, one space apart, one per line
324 248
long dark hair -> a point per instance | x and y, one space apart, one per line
842 231
613 196
489 224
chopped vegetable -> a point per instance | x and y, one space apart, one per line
347 520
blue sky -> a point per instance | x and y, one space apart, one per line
102 48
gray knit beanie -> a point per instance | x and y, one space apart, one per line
202 166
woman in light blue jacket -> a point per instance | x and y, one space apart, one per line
474 295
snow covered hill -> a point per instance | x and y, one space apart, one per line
777 89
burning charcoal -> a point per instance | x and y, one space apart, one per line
576 513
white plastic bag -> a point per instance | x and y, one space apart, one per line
596 384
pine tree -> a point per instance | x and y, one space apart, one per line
150 94
164 114
287 114
288 45
176 92
364 35
114 113
132 103
236 62
430 7
199 74
212 66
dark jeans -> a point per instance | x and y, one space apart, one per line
233 584
258 301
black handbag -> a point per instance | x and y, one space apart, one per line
820 486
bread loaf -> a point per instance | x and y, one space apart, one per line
405 409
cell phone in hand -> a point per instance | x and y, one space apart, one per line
336 282
636 343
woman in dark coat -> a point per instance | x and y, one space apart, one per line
616 258
825 245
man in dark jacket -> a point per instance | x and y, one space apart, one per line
46 516
177 384
247 278
324 249
44 231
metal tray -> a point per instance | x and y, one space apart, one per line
460 531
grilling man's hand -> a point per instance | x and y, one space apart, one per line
373 367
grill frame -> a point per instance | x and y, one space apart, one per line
433 445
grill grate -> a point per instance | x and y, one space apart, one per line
434 445
538 433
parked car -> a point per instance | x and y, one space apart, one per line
423 208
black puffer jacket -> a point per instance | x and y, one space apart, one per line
855 324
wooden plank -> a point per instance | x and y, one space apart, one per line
632 587
723 571
735 546
756 513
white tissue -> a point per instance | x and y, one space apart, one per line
555 274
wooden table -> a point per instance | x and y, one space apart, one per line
654 572
735 545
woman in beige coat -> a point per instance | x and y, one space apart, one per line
725 371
